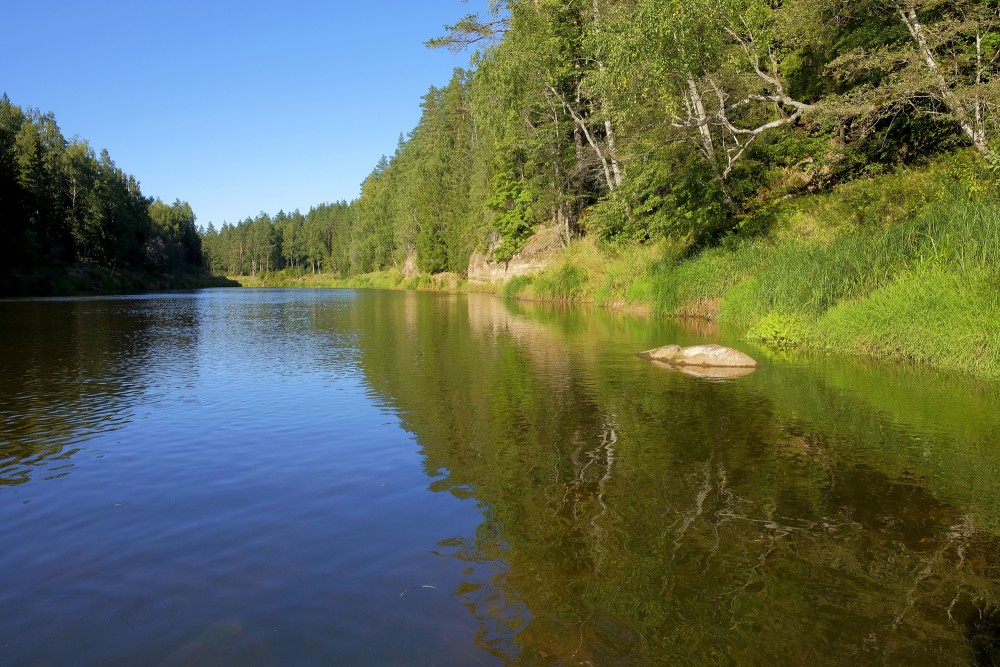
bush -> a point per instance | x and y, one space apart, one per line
781 330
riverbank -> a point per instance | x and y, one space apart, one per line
902 266
86 279
389 279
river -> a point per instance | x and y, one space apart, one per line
319 477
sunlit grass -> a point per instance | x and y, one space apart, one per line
391 279
944 318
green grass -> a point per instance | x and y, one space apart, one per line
937 317
391 279
923 290
565 282
904 266
515 287
694 287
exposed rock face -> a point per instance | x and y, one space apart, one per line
410 266
539 251
709 356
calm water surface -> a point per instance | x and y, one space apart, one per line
268 477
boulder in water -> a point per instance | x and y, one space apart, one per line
710 356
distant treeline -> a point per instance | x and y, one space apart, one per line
317 241
61 204
637 120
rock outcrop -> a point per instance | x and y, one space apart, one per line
541 249
700 356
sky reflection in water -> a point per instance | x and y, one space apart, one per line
256 477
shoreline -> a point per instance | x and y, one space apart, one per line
774 333
857 272
84 280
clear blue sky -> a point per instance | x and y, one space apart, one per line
234 107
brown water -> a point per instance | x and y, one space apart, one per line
269 477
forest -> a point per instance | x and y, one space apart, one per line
63 206
629 122
814 173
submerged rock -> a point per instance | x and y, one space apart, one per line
705 356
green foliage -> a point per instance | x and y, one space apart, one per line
696 285
292 242
671 194
780 330
175 242
514 221
809 278
923 289
563 283
61 205
622 278
421 281
515 287
701 123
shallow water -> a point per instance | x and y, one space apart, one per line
270 477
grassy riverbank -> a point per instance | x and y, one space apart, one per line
389 279
905 266
902 266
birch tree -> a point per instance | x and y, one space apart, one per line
714 66
942 60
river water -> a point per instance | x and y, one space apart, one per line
335 477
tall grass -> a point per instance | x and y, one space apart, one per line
515 287
695 287
565 282
945 318
924 290
809 278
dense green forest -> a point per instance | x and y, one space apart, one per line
317 241
632 121
63 206
814 172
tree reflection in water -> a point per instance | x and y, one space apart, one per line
633 516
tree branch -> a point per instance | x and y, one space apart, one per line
586 133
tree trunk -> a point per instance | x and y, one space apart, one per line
582 124
701 118
971 127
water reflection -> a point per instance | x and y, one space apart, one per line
71 369
67 371
633 516
576 504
